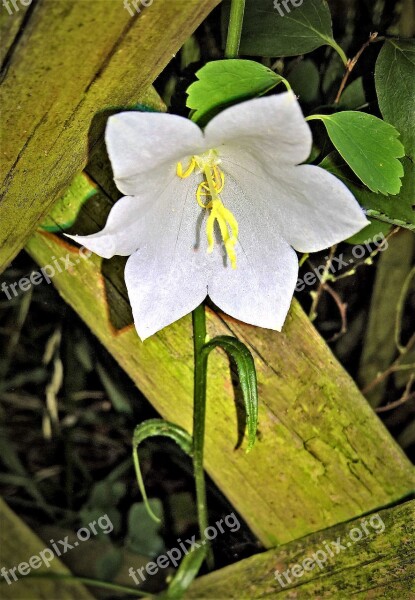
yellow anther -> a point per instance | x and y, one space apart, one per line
189 170
219 179
210 188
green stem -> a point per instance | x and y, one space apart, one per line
92 582
235 28
318 118
339 50
199 332
199 417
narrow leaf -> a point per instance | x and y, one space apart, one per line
222 83
186 573
369 146
116 394
247 378
152 428
65 211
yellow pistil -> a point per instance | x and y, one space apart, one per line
207 196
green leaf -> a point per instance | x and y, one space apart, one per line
190 52
373 230
118 398
395 210
143 534
104 497
272 31
152 428
106 494
304 79
247 378
222 83
66 209
354 95
109 564
369 146
332 76
395 86
185 574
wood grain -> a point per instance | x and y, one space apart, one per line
18 544
322 455
379 565
73 64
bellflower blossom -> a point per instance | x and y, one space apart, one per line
219 212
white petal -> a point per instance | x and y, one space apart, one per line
272 129
319 210
167 278
259 291
310 207
144 148
127 226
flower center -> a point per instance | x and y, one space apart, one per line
207 196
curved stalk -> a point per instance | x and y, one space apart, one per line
199 417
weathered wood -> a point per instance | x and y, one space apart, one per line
379 565
322 455
18 544
10 24
73 64
379 349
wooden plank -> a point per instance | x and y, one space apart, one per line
18 544
379 565
379 346
322 456
74 62
10 24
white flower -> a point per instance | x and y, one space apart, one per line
219 211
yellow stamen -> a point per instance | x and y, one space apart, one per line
219 176
210 189
188 171
201 192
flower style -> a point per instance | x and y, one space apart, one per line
219 212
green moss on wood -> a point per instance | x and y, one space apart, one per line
322 456
18 544
74 64
380 565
